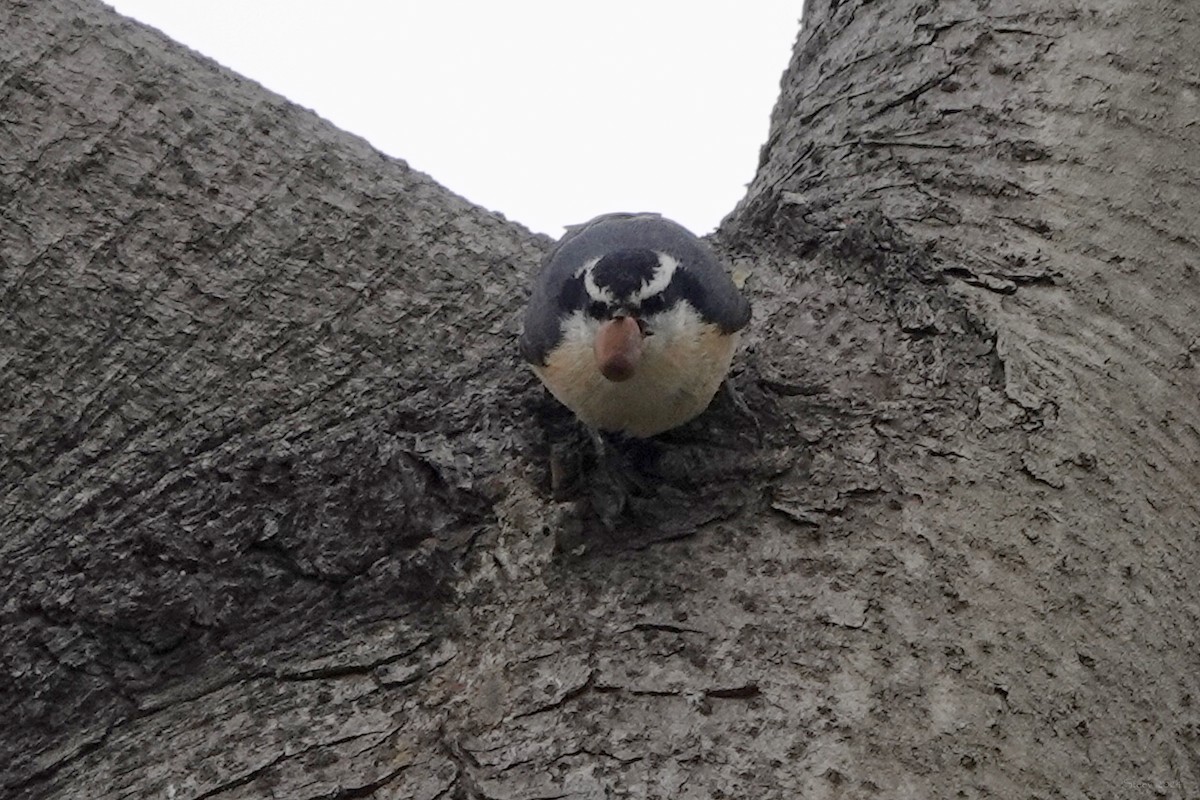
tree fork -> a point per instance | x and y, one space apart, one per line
276 506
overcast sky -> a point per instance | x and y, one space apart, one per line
549 112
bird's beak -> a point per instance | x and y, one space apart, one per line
619 348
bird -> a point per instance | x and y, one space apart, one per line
632 324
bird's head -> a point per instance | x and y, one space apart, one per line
626 295
632 323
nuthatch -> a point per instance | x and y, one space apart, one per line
632 323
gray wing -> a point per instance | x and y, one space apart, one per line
717 299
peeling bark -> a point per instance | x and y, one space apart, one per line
276 514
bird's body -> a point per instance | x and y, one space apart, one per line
632 324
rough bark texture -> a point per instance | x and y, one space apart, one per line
275 512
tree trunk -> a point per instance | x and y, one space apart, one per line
276 516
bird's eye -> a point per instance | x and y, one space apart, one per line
598 310
653 305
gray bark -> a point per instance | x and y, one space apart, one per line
276 516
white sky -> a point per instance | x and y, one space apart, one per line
549 112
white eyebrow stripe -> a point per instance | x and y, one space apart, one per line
586 267
662 276
594 291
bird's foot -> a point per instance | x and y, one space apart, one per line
619 478
743 408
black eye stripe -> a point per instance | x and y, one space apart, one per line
654 304
572 295
685 287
